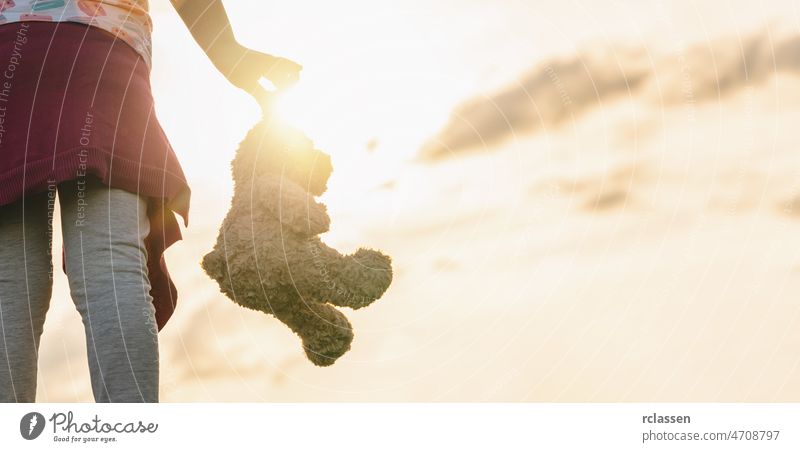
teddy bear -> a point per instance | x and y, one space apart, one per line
268 255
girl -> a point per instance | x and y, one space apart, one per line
76 118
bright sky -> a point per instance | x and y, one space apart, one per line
392 71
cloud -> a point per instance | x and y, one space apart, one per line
560 90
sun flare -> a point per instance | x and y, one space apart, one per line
291 105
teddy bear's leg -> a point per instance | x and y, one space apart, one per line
326 332
352 281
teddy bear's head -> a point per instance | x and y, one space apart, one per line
308 167
274 147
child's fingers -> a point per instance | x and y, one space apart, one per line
287 82
281 72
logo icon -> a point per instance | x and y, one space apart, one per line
31 425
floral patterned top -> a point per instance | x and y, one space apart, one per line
128 20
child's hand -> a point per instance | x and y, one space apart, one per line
244 67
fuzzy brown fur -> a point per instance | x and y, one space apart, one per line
268 255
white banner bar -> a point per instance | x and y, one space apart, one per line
401 427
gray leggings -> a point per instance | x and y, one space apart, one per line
104 231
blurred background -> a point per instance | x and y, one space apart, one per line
584 201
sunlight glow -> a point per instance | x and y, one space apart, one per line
289 105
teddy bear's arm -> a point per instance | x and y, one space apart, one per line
295 207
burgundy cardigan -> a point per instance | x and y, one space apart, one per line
53 78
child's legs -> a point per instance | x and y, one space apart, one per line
104 232
25 289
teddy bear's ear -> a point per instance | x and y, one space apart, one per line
293 206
